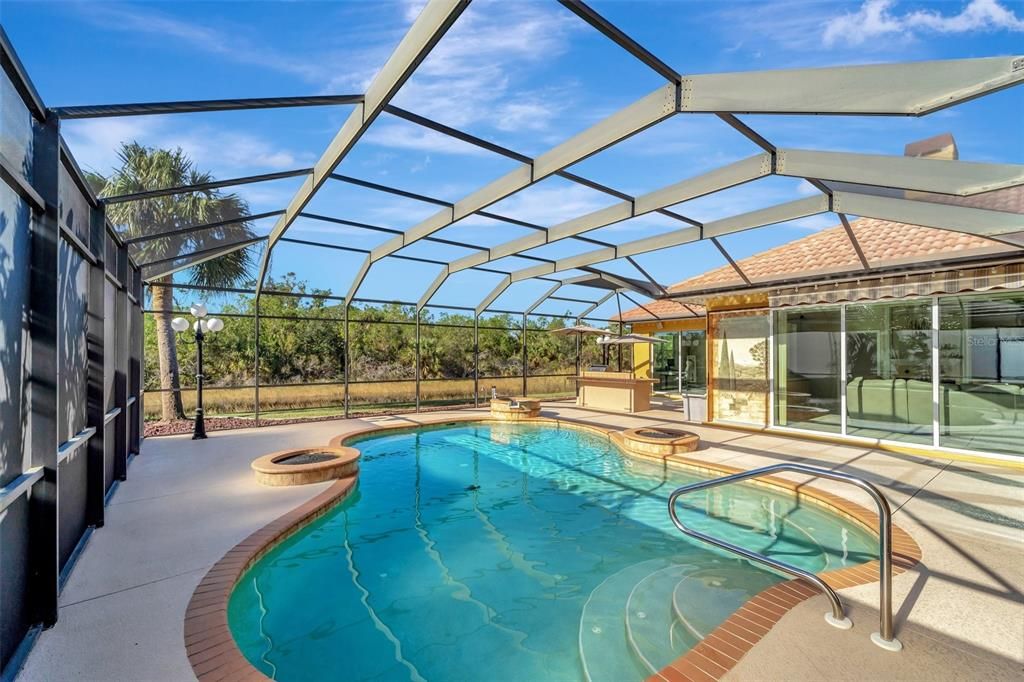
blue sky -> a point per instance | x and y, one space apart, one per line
526 75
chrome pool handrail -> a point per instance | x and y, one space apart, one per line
884 637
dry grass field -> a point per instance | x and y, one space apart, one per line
318 400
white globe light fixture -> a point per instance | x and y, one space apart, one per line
200 327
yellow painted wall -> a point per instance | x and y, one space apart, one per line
642 351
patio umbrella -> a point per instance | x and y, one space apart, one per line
580 329
631 339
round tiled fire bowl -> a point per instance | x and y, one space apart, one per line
514 409
659 441
306 465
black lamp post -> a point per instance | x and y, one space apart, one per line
200 328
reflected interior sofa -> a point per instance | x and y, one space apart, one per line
909 402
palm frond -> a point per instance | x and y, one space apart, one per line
145 168
224 270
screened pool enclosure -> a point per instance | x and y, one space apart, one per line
79 291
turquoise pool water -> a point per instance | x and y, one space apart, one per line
514 552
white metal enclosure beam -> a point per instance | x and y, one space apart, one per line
620 282
792 210
716 180
495 293
766 216
929 175
547 294
158 270
433 21
636 117
507 281
960 178
434 286
597 304
722 178
977 221
908 89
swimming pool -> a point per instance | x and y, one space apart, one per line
515 552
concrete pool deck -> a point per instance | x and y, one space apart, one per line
959 612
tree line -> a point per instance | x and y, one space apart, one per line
302 340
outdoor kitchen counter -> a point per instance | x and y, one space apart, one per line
619 391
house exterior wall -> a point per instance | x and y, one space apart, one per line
739 378
960 389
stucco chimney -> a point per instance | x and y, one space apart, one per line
939 147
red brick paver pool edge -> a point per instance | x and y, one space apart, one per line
210 647
719 651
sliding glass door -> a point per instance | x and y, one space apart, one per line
665 368
889 371
981 372
945 371
808 350
680 362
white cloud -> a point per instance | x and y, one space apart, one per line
815 223
413 9
341 59
476 73
198 36
265 196
514 116
233 151
870 21
415 138
876 18
549 204
978 15
781 28
95 143
420 165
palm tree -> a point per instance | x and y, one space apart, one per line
145 168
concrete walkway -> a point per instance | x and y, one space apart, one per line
960 612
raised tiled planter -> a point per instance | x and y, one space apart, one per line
514 409
306 465
657 441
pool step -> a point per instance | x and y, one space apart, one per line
652 630
604 647
732 585
645 616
